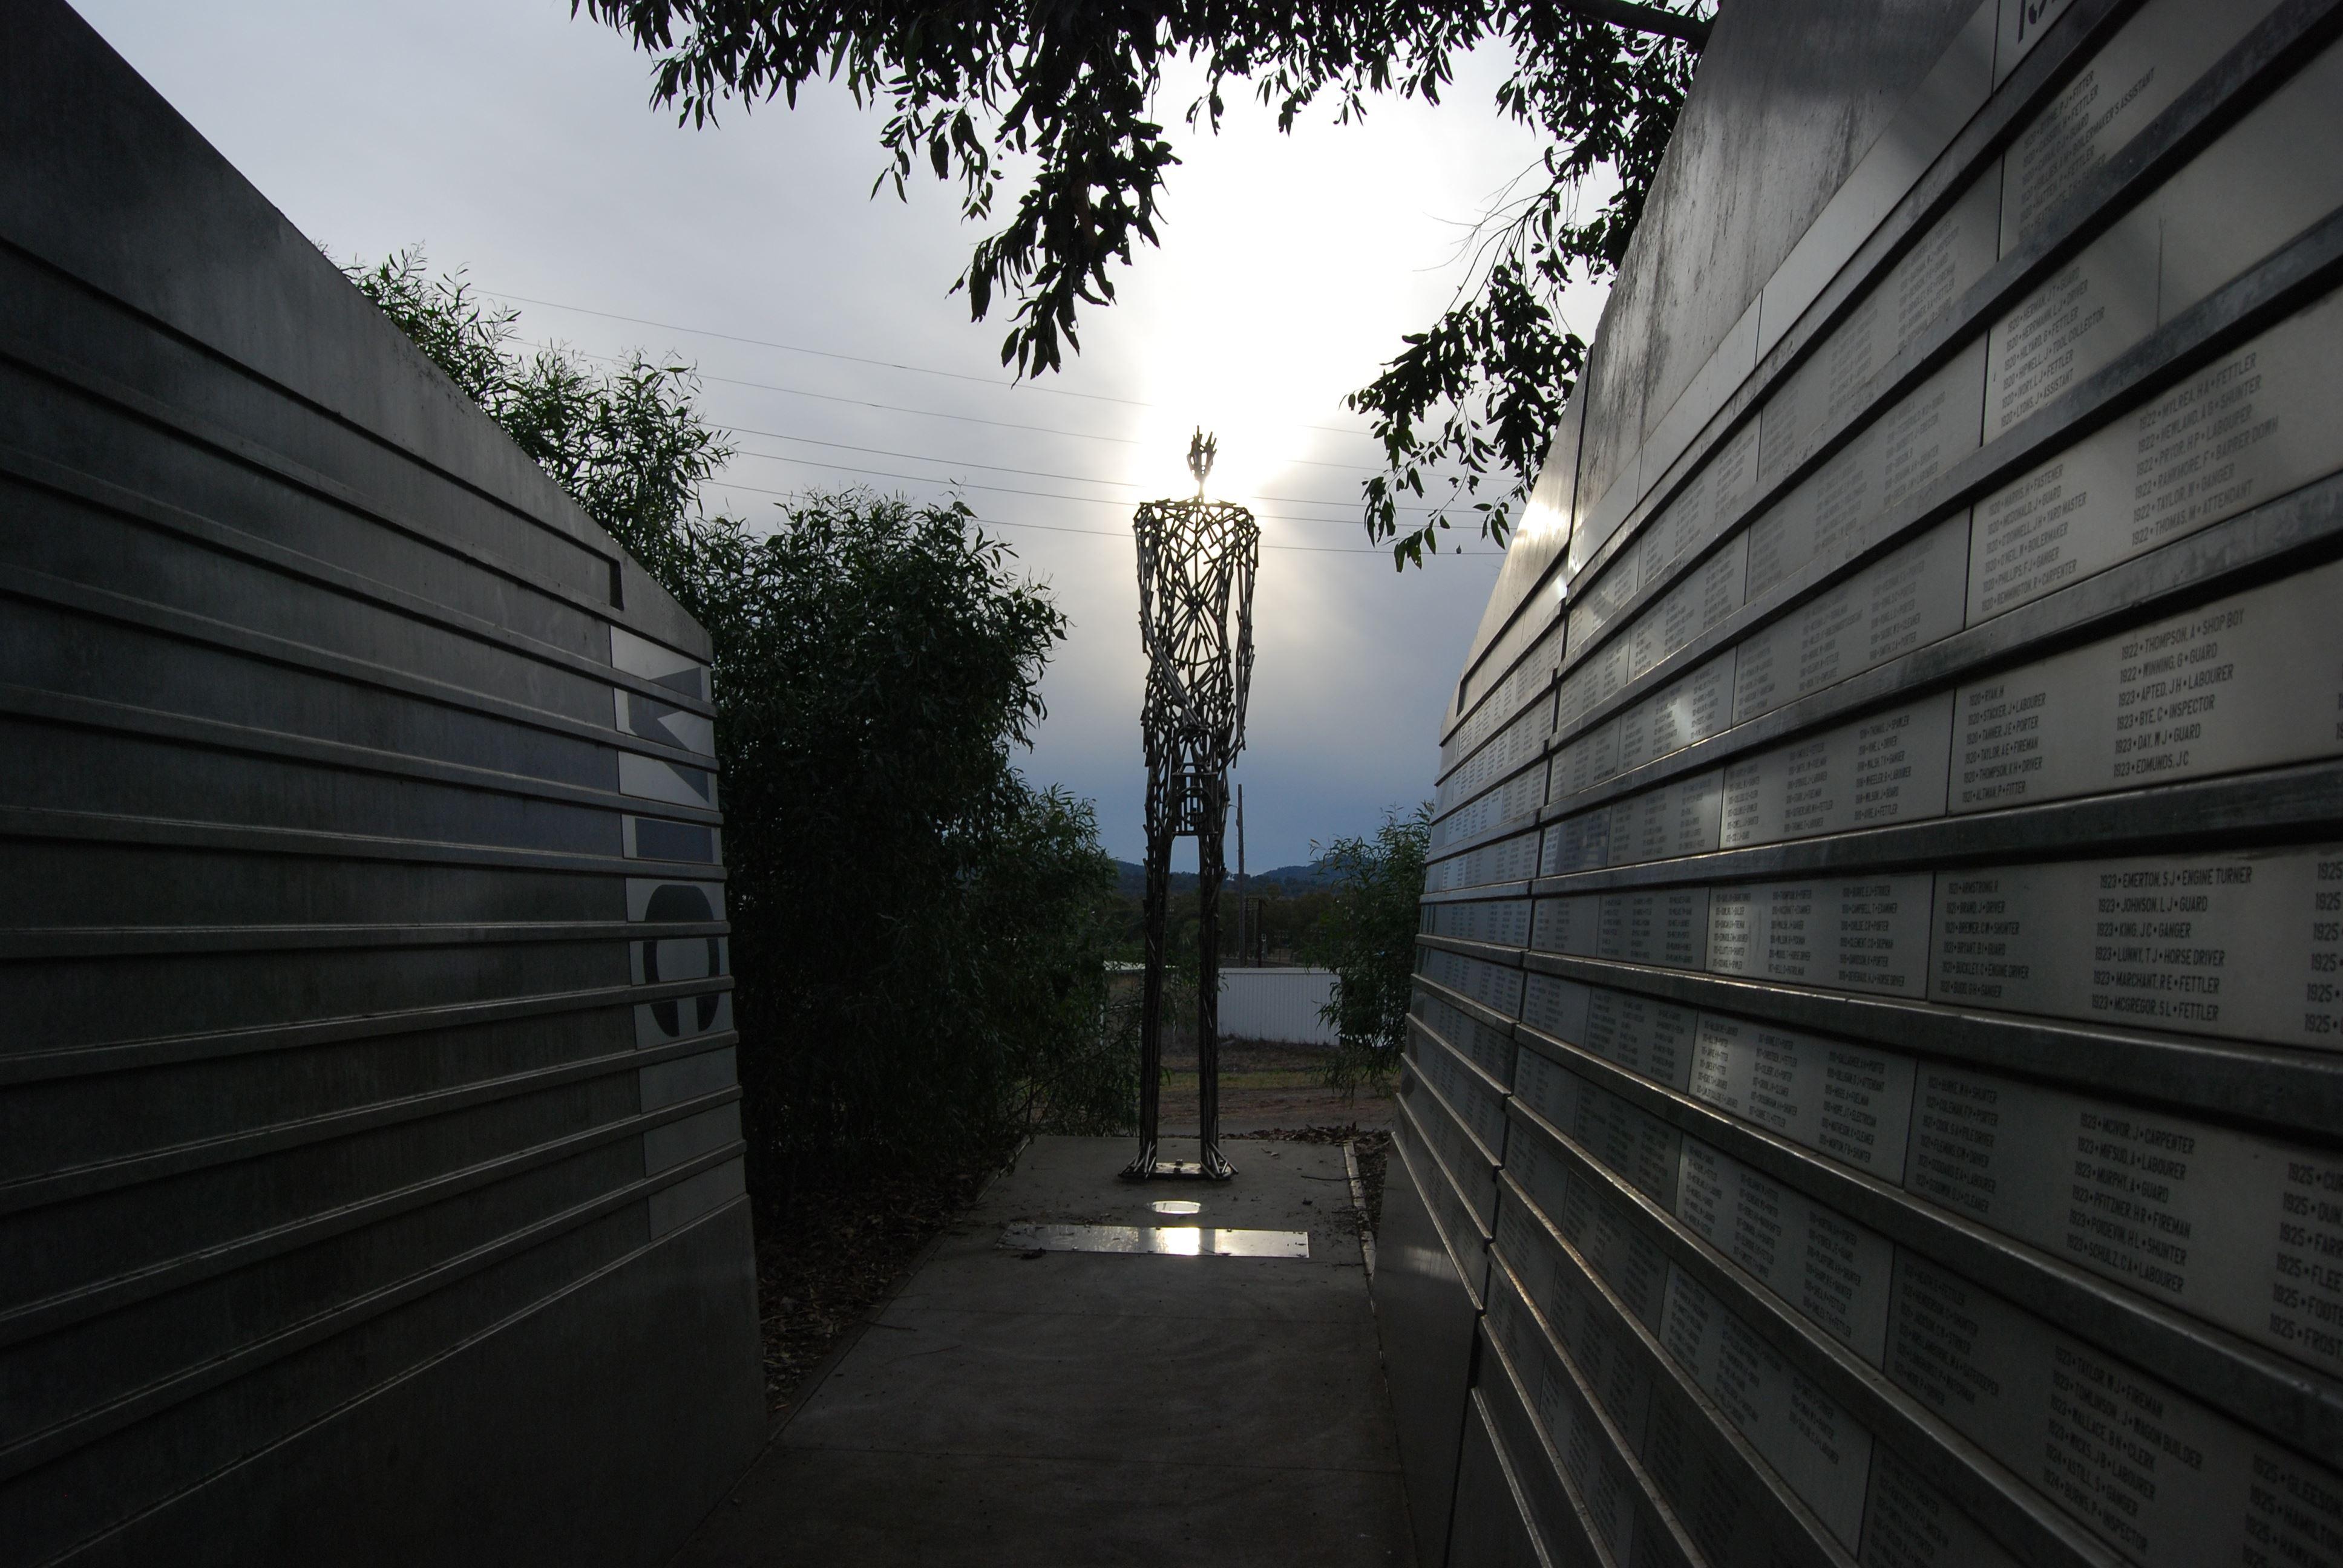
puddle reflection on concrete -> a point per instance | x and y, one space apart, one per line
1174 1241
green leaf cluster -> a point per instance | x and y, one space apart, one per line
1063 97
920 935
1367 937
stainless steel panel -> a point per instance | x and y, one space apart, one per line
1835 1271
1701 600
1650 1181
1821 1450
1826 391
1869 935
2151 1471
1906 601
1665 926
403 1185
1604 1502
2240 1230
1643 1149
2239 944
1937 106
1585 761
2249 681
1681 817
1700 509
1621 1254
1908 1523
2266 180
1834 1097
1579 844
2253 425
1887 766
1503 921
2135 77
1490 1524
1556 1005
1668 433
1686 711
1568 925
1425 1317
1491 985
1502 1384
1599 1380
1640 1034
1895 456
1436 1147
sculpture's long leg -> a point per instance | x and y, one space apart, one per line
1209 872
1151 994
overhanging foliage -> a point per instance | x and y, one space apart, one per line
1071 90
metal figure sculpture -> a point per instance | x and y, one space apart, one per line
1196 566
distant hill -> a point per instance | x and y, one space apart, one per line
1131 879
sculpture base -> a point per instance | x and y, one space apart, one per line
1213 1167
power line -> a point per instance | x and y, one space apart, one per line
830 353
883 364
992 467
996 489
923 412
1125 534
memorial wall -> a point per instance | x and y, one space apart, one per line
370 1166
1873 1091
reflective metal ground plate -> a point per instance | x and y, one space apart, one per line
1171 1240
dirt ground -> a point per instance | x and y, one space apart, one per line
1265 1086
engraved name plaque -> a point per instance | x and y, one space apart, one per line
1703 600
2161 1478
1690 710
1887 767
1848 1102
1638 1146
1820 395
1932 428
1868 935
1642 1034
1822 1452
1680 818
2243 945
2134 77
2253 425
2249 681
1833 1270
1907 600
2241 1231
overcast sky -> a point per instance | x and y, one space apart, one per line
517 145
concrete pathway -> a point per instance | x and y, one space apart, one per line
1082 1409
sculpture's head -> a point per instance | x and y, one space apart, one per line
1201 450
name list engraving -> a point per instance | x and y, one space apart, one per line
2252 426
1867 935
1838 1099
1909 599
2249 681
1888 768
2164 1480
1833 1270
2243 945
2243 1232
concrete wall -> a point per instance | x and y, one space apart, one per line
1874 1066
371 1147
